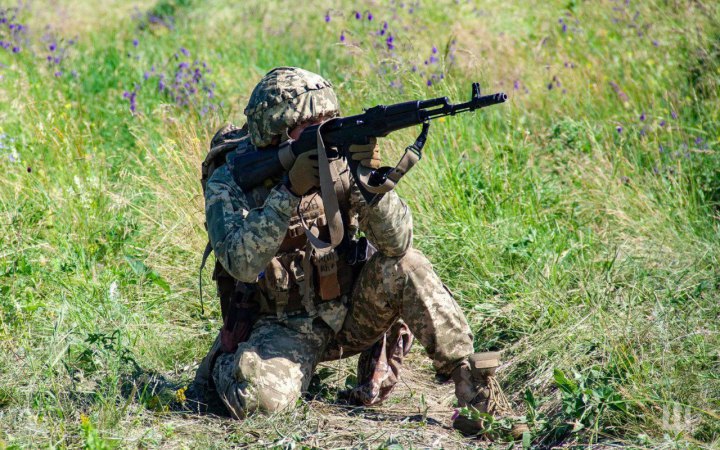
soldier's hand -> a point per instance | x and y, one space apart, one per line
304 174
368 154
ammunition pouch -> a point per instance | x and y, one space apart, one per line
281 287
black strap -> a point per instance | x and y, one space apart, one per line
206 254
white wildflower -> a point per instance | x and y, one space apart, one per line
113 293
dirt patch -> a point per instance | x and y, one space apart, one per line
418 415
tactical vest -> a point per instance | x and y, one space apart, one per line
281 287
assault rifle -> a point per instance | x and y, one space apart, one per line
252 168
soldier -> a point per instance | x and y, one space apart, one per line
313 304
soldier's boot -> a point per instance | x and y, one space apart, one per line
476 387
379 366
201 397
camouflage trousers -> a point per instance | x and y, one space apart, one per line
269 372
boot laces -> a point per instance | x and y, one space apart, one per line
497 402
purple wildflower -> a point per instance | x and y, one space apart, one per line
550 86
642 117
327 17
184 51
52 47
698 140
16 49
131 96
516 84
136 42
655 43
619 129
370 16
434 50
58 73
564 28
662 123
429 82
342 36
622 95
358 16
389 42
673 114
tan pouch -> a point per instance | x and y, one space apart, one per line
278 283
326 262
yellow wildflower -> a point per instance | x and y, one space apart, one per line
180 395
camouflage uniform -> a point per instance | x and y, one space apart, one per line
255 233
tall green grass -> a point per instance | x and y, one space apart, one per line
589 255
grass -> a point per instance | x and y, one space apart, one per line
589 255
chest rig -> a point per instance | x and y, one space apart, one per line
302 274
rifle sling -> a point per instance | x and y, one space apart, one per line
328 176
392 176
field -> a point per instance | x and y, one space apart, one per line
578 224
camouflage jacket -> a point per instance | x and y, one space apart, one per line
247 229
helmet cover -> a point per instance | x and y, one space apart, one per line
285 98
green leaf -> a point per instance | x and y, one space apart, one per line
563 382
526 440
577 426
137 266
530 399
140 269
158 280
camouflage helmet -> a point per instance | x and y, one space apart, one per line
284 98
